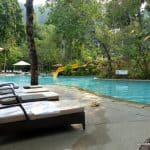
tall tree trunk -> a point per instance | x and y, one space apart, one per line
109 59
31 42
144 61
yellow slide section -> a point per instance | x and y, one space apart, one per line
61 69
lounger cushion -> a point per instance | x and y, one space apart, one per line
43 109
12 114
5 90
69 107
7 99
37 110
39 96
35 90
32 86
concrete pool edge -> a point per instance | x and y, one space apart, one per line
143 97
113 99
141 80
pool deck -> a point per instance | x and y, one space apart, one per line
113 125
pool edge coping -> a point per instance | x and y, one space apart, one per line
142 105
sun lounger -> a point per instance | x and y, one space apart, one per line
36 115
31 97
9 84
6 90
34 90
15 86
27 89
32 86
50 96
8 96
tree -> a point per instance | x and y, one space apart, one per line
74 24
46 42
13 55
121 13
127 17
31 42
11 23
12 30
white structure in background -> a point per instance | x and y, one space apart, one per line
121 72
35 2
20 63
1 49
143 5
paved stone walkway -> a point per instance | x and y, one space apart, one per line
113 125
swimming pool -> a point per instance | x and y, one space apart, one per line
137 91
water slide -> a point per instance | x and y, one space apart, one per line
61 69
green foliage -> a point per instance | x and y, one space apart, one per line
74 24
68 70
13 55
12 31
11 24
103 36
46 45
121 13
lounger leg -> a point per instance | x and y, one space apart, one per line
83 122
83 126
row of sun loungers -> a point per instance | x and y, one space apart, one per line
20 111
9 95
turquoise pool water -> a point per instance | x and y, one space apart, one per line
137 91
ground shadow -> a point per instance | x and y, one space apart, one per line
96 135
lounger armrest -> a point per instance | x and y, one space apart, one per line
8 106
6 84
10 91
14 105
9 100
9 84
8 97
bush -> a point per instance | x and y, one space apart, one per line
68 71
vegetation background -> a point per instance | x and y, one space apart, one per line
102 35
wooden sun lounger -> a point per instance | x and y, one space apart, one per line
32 86
9 84
50 96
8 96
32 90
27 89
18 117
